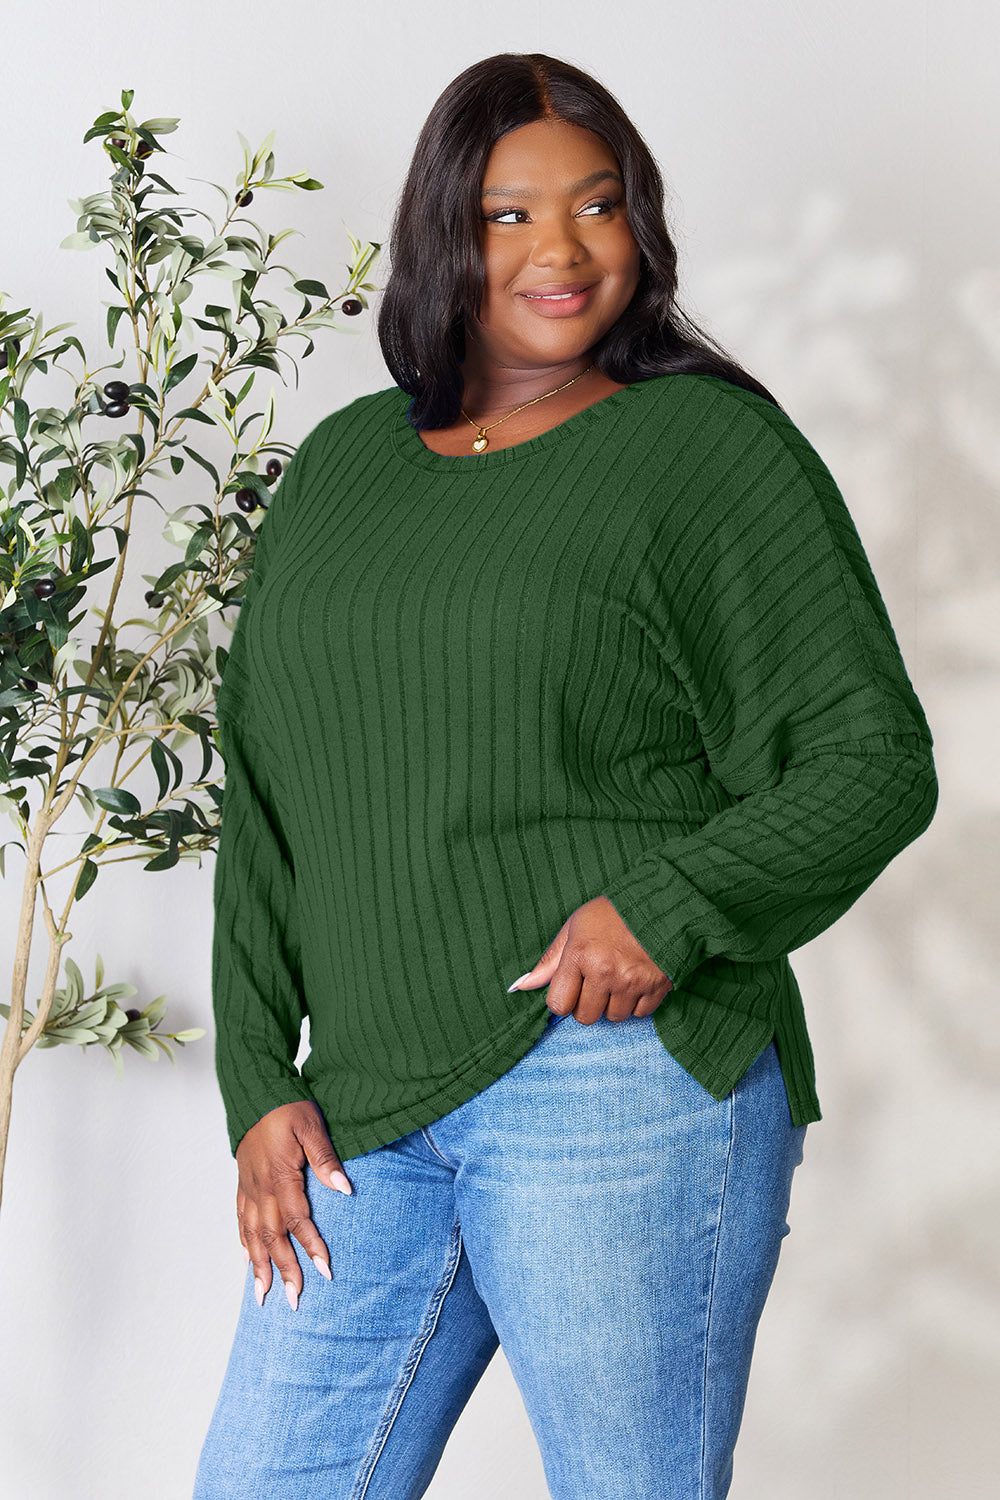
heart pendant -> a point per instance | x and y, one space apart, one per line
480 443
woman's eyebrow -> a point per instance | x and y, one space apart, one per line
576 187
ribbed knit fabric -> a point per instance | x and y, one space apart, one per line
642 654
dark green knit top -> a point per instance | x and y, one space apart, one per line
642 654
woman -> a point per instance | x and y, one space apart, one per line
560 654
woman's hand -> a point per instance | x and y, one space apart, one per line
271 1198
595 964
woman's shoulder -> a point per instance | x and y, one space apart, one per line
727 420
718 401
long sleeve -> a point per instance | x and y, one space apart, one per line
764 604
256 952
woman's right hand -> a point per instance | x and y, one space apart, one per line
271 1199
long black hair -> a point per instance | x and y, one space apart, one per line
435 248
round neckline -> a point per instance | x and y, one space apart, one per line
408 445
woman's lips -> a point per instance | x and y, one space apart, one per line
549 306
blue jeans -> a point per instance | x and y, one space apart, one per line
595 1212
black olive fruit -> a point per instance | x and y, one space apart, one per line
144 149
153 599
45 588
133 1014
116 140
247 500
351 306
11 352
116 390
29 683
274 467
244 200
117 409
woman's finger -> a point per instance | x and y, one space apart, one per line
296 1217
240 1206
269 1243
311 1134
260 1258
650 1002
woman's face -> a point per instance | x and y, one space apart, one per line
554 215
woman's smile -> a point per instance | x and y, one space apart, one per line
563 304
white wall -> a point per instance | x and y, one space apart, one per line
832 179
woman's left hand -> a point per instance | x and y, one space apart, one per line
595 964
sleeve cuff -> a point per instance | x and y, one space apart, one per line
284 1091
648 933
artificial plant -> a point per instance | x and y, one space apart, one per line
135 693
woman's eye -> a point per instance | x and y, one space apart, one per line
504 213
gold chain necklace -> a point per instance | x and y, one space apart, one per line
481 442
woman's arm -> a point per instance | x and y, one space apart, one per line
760 879
256 979
766 607
256 965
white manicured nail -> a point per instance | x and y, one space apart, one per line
517 982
